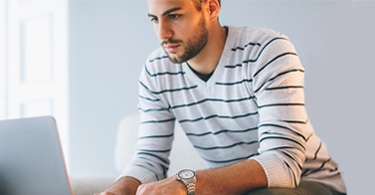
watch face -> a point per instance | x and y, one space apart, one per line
186 174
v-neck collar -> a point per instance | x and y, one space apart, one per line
219 68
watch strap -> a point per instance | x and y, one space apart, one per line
190 186
189 183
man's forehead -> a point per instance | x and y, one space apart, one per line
155 6
171 1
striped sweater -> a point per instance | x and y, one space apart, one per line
252 107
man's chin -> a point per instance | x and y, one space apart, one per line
174 59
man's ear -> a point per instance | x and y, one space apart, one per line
214 8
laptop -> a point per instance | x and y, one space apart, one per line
31 158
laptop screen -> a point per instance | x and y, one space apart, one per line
31 158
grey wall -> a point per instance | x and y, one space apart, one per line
109 41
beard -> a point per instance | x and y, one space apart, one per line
193 46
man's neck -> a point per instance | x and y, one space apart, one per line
207 60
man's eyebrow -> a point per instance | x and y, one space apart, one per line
166 12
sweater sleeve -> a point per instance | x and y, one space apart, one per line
156 130
279 91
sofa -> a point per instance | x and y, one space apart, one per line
126 139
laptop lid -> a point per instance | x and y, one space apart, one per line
31 158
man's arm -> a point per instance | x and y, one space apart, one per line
123 186
238 178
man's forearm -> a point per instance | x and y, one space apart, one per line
238 178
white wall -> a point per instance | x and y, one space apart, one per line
109 41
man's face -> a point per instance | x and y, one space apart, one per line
180 27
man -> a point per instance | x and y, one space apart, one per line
238 95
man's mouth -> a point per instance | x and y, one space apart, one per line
171 48
171 45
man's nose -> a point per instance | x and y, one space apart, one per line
164 31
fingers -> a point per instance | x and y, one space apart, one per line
104 193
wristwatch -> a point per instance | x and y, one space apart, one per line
187 177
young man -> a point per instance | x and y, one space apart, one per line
238 94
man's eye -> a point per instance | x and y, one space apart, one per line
155 20
174 16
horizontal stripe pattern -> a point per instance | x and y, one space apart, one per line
252 105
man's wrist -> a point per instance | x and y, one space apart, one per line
181 186
187 177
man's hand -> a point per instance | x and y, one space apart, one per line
168 186
105 193
123 186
